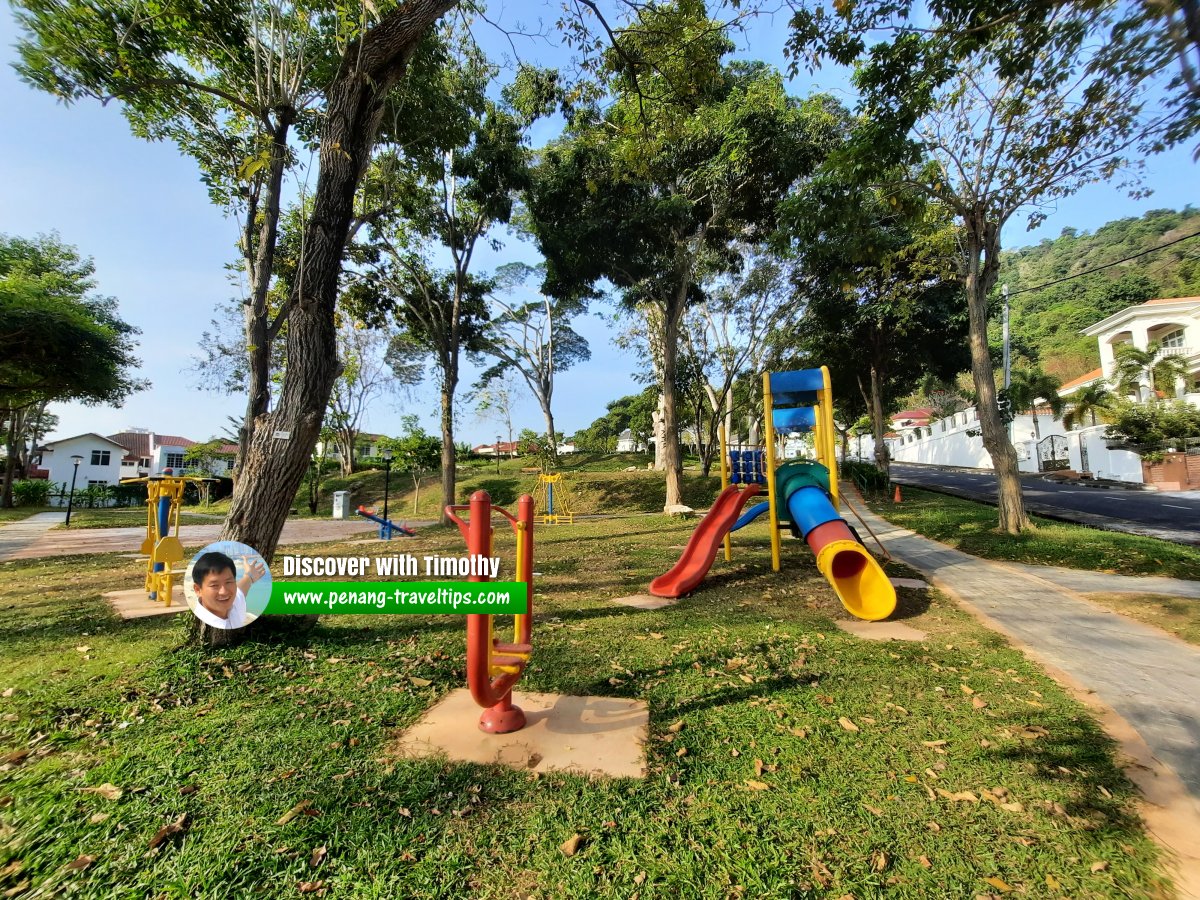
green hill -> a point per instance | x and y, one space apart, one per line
1046 323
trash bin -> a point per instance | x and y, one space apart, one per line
341 504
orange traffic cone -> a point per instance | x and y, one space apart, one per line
896 496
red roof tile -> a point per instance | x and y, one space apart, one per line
1171 300
1082 379
172 440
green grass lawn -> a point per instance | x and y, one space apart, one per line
787 758
971 527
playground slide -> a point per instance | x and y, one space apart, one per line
701 549
855 576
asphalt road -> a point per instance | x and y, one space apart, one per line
1173 516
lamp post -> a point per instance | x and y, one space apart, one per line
1007 366
497 454
71 500
387 479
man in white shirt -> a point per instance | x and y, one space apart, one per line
221 595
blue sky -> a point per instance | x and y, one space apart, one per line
162 248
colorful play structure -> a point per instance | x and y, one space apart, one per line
164 496
553 500
801 494
386 526
494 667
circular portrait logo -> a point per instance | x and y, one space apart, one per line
227 584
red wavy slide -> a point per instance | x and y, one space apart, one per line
702 548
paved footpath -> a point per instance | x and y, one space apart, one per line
1148 677
33 538
16 536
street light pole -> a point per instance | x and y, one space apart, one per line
497 454
71 500
1007 365
387 483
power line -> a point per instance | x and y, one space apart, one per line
1105 266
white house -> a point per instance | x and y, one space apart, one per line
99 463
1171 322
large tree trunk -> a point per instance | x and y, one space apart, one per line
981 266
878 423
544 400
344 439
449 461
281 446
672 461
10 465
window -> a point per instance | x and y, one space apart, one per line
97 483
174 460
1174 339
942 424
144 462
229 465
101 458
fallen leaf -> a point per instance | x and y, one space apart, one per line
106 790
873 809
21 887
799 732
821 874
735 752
84 648
934 743
879 861
420 682
758 767
1099 866
639 877
847 724
967 690
309 887
15 758
98 818
1053 883
676 727
406 812
294 811
8 692
570 846
963 796
318 856
933 826
81 862
757 785
170 830
978 702
682 751
188 789
924 860
999 884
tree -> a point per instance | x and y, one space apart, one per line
454 192
1016 111
1087 401
62 341
1028 387
365 376
231 84
535 340
1143 374
875 271
494 400
651 191
417 451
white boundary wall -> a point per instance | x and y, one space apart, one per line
947 442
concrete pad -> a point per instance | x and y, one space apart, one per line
909 583
645 601
593 736
881 631
135 604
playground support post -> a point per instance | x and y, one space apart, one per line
725 482
387 479
769 442
830 434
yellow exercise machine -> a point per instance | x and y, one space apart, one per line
553 500
164 496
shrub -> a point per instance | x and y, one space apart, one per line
32 492
869 478
1152 424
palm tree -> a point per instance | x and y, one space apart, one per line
1030 385
1134 367
1086 402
